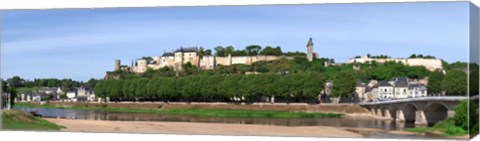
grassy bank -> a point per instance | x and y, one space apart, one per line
18 120
446 128
233 113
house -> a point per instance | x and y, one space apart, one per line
400 87
385 89
84 91
47 90
417 90
360 90
60 91
71 94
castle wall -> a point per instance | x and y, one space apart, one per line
430 64
207 62
224 61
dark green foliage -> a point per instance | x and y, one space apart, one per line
208 88
473 79
435 82
466 115
455 83
268 50
253 50
343 84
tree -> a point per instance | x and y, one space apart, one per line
16 81
92 82
313 85
413 56
220 51
435 82
455 83
474 83
229 50
208 52
253 50
268 50
343 84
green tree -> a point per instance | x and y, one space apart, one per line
220 51
455 83
435 82
343 84
16 81
313 85
473 79
253 50
92 82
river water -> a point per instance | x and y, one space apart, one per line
336 122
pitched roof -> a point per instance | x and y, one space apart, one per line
360 84
384 84
401 82
187 49
167 54
411 86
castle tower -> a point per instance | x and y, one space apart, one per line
310 53
117 65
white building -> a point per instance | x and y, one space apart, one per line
71 94
430 64
400 87
385 90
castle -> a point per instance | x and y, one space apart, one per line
185 55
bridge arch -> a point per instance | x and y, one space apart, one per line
409 111
393 110
435 112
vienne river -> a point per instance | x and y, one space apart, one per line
336 122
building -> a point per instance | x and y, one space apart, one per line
71 94
400 87
84 91
417 90
430 64
385 89
360 90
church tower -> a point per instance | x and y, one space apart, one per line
310 53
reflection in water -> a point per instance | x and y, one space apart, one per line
119 116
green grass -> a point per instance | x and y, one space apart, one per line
446 127
419 130
26 89
248 113
17 120
232 113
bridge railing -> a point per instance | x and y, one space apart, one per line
428 98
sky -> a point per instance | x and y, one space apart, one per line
83 43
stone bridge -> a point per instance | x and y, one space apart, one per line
420 110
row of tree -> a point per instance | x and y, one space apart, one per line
287 87
17 81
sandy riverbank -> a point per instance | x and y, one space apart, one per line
200 128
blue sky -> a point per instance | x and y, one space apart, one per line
83 43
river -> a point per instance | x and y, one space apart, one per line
336 122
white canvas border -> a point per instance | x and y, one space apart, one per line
61 4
